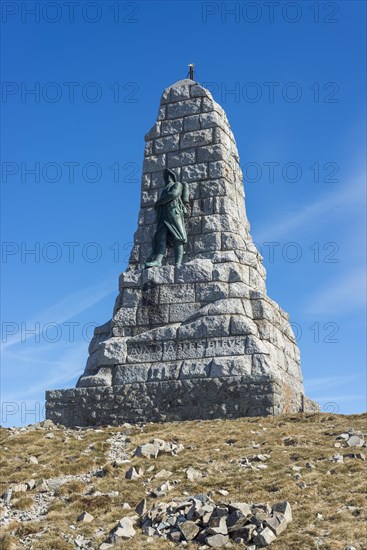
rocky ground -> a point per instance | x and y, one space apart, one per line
290 482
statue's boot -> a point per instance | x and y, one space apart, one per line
157 262
179 254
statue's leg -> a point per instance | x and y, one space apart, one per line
160 246
179 253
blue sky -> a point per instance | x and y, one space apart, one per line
291 79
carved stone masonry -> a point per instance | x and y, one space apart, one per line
199 340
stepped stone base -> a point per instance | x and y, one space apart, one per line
175 400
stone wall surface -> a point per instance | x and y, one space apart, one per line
202 340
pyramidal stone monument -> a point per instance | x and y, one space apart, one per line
193 333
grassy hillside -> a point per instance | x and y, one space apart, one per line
70 471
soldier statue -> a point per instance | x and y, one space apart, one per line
171 209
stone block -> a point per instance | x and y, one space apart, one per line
129 374
214 187
182 158
219 169
148 150
130 279
194 271
154 132
180 92
198 91
210 120
231 366
131 297
240 324
210 153
167 143
154 163
207 242
183 108
164 371
180 312
164 275
228 306
149 198
208 326
178 293
194 172
196 138
192 123
195 369
154 314
211 291
172 126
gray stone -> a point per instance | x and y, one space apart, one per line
210 153
192 474
181 158
125 529
171 126
184 108
194 172
192 123
277 524
165 144
355 441
132 473
217 525
85 517
196 138
148 450
265 537
141 507
216 541
189 530
154 163
283 508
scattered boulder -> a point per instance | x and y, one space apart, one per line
360 456
156 447
132 473
192 474
20 488
141 507
189 529
265 537
85 517
355 441
162 474
199 519
124 530
217 541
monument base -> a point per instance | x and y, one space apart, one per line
174 400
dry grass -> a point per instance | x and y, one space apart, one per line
290 440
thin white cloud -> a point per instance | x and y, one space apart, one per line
351 195
314 384
67 308
336 399
347 293
70 364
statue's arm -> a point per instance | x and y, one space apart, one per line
170 196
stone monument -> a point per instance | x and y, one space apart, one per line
193 333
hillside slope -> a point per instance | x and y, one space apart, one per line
51 475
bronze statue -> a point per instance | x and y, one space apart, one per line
171 209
